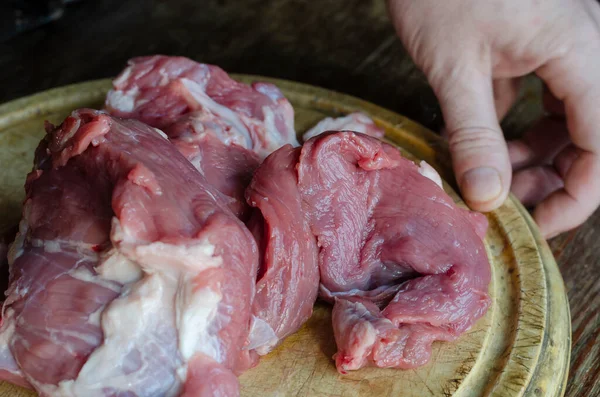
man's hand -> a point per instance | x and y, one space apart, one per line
473 53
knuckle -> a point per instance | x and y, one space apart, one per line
478 139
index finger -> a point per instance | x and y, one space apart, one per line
569 207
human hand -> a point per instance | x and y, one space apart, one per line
473 53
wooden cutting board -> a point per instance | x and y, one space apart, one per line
520 348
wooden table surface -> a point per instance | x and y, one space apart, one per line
344 45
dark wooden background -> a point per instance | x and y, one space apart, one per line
345 45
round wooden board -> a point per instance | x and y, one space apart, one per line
520 348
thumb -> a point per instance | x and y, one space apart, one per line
479 152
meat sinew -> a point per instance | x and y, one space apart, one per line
222 126
129 277
402 263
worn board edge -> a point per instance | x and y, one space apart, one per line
560 313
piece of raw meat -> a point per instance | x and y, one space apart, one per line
8 368
355 122
159 90
365 336
207 115
225 128
228 168
403 265
288 280
129 276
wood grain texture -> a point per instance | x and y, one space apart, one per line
578 254
520 348
345 45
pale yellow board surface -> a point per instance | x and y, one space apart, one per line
520 348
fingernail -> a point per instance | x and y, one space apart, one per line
481 185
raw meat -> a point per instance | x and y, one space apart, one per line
228 168
207 115
8 368
288 279
159 90
129 277
402 263
355 122
225 128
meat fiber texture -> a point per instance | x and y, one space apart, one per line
129 276
288 279
225 128
403 265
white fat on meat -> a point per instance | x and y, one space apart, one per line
359 320
197 311
85 274
262 337
162 134
115 266
122 78
128 359
15 249
357 122
197 91
7 361
48 245
274 138
58 245
197 257
197 162
429 172
123 100
158 294
198 319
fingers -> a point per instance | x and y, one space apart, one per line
575 78
479 153
506 92
571 206
540 145
565 159
534 184
541 159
